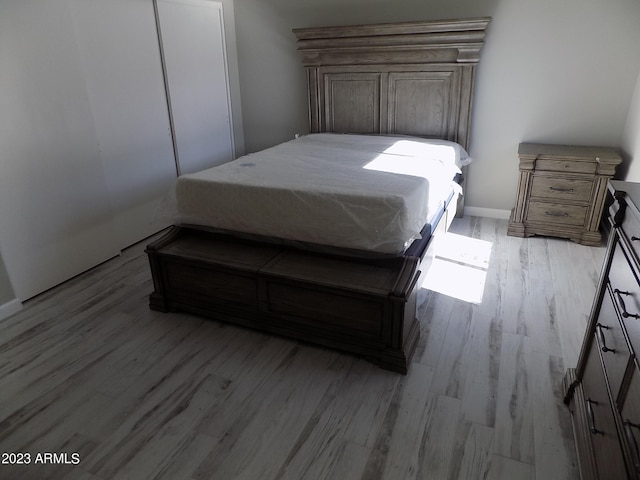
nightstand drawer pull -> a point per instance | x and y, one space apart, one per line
633 443
556 214
625 314
592 418
603 342
563 190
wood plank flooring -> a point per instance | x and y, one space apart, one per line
88 369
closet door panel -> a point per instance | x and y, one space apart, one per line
55 210
193 46
118 42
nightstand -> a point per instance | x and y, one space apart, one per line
561 191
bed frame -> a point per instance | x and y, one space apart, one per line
413 78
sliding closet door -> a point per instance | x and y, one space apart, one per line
55 208
118 43
193 48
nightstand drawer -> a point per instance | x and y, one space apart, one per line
558 165
561 188
558 213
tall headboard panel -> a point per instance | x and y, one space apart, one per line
412 78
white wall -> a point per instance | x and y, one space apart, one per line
631 138
557 72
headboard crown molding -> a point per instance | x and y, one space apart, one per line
457 41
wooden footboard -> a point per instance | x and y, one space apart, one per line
363 307
367 307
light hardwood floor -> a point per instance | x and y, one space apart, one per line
87 368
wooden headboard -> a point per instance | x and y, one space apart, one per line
414 78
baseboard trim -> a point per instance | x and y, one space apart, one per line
487 212
9 308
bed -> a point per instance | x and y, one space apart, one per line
326 238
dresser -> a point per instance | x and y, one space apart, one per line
603 391
561 191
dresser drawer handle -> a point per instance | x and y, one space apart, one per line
557 214
625 314
634 239
633 443
603 342
563 190
592 417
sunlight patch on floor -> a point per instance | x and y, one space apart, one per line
460 268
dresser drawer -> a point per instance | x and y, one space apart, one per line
600 421
612 344
630 414
559 165
626 295
631 229
572 189
557 213
632 322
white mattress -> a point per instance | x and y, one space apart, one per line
372 193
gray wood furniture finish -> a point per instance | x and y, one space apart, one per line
367 308
561 191
409 78
603 391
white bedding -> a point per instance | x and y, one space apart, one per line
372 193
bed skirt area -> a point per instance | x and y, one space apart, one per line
363 306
